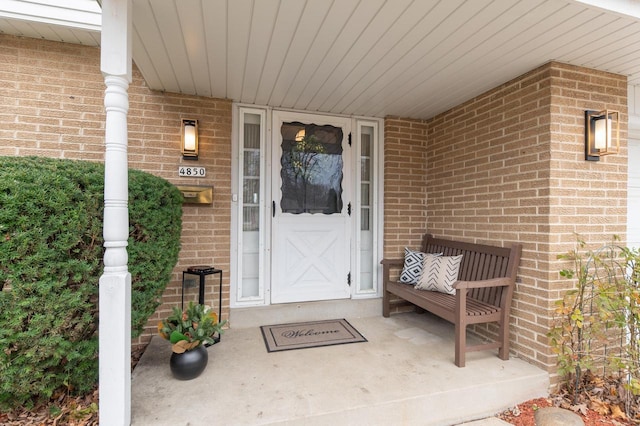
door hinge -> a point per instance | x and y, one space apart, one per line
349 139
349 279
349 209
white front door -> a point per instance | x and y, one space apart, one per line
311 232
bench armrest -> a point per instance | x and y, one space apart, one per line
494 282
392 262
387 265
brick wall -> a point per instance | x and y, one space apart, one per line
405 185
405 189
509 165
51 104
488 183
585 197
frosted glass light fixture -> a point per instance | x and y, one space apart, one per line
601 134
189 139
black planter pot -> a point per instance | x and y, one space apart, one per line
190 364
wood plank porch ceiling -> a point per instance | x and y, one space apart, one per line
409 58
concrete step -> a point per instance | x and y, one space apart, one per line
403 375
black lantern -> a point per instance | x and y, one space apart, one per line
188 277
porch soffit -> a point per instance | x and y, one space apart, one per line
69 21
408 58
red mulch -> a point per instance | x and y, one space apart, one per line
599 402
523 414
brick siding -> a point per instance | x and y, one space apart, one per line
405 185
509 165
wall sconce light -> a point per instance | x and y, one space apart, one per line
601 134
189 139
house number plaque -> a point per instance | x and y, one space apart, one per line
184 171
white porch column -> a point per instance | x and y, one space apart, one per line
115 283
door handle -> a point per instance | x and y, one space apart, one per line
273 209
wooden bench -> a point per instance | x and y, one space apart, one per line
485 285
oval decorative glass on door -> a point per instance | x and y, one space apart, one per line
311 168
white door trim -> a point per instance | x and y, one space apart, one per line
633 185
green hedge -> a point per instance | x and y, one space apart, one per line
51 214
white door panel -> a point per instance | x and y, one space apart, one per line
312 257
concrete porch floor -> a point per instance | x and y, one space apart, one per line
403 375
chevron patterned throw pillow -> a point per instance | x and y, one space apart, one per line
440 273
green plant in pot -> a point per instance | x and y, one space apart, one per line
189 332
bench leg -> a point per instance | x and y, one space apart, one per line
503 335
461 343
386 299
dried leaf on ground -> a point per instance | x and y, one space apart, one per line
580 408
599 406
617 413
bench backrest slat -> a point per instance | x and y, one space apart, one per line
480 262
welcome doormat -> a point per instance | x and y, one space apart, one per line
284 337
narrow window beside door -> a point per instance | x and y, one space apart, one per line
251 156
366 282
